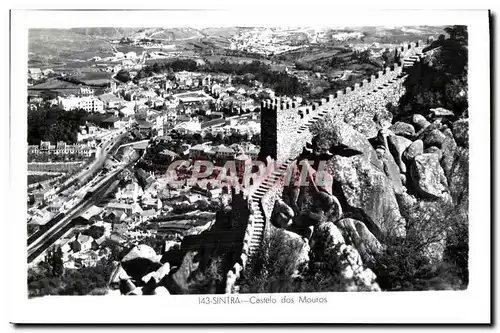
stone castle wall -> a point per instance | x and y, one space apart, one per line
286 131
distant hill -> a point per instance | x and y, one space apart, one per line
113 33
61 45
170 34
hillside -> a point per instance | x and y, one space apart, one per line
49 46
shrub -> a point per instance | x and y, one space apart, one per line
276 268
83 281
412 263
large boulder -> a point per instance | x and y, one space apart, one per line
441 113
392 171
461 132
397 145
282 214
157 275
362 191
180 281
403 129
434 150
141 260
342 139
356 233
448 148
328 244
312 202
420 122
428 177
434 138
297 244
458 178
326 235
416 148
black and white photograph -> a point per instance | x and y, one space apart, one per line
267 164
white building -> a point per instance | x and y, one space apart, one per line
110 101
88 103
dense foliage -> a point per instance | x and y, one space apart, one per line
123 76
42 280
277 268
53 124
441 79
94 231
410 263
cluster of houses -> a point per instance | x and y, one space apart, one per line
221 152
267 41
142 199
37 73
61 148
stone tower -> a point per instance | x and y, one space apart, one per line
113 87
279 123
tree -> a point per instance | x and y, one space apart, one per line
442 77
95 231
55 262
123 76
458 33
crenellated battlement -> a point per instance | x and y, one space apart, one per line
281 118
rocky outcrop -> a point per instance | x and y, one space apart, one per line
420 122
461 132
448 148
441 113
300 246
328 243
180 281
342 139
428 177
434 150
356 233
282 214
414 149
397 146
158 275
362 191
140 261
306 202
434 138
392 170
403 129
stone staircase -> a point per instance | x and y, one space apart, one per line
410 61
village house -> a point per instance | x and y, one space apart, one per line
61 148
145 178
223 152
110 101
151 203
82 243
90 216
114 216
98 243
66 249
199 150
148 214
120 207
130 193
87 103
35 73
